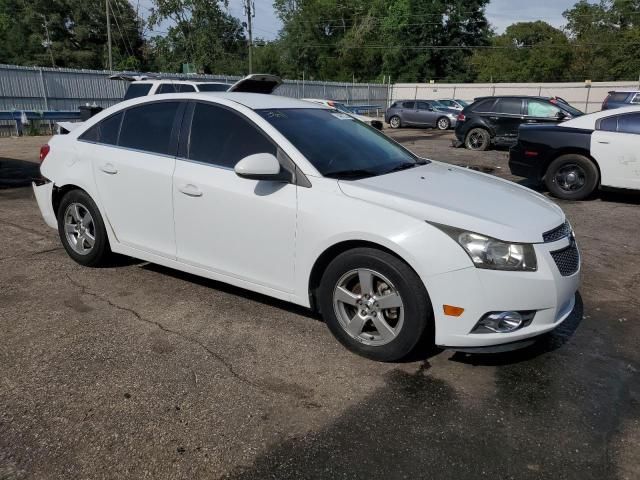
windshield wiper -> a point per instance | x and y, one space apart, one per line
404 166
355 173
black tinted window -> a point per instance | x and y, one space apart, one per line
137 90
104 132
484 105
618 97
148 127
409 105
509 105
213 87
222 137
609 124
424 106
629 123
175 88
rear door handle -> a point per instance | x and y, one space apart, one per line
191 190
604 142
493 118
109 168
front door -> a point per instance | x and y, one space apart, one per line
133 172
233 226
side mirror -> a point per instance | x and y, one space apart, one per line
259 166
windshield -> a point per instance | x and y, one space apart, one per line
337 145
463 103
342 107
213 87
574 112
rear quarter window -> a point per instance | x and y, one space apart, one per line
105 132
136 90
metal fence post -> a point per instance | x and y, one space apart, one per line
44 91
324 90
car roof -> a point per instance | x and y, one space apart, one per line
254 101
589 120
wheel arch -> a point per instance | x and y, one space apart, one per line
330 253
571 151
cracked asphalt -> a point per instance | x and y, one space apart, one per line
138 371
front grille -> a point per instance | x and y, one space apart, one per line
557 233
567 260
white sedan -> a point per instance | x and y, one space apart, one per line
303 203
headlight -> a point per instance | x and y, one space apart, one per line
487 252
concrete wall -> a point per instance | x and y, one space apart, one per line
577 94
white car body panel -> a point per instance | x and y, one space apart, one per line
588 121
267 236
618 156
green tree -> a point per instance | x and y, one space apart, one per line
201 33
68 33
525 52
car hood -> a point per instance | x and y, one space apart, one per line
462 198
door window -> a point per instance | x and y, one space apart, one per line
629 123
104 132
410 105
537 108
424 106
148 127
512 106
484 105
221 137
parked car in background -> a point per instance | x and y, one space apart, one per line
621 98
141 85
420 113
305 204
495 120
341 107
599 150
455 104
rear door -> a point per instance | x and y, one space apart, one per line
133 171
507 118
426 114
240 228
615 145
409 113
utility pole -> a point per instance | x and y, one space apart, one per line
106 4
250 12
48 41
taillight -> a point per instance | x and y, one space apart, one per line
530 153
44 151
461 117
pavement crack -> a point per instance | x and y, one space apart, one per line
33 254
24 229
227 365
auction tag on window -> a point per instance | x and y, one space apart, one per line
342 116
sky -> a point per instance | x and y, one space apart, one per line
500 13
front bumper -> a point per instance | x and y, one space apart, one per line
545 291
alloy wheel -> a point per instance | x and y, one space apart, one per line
570 177
79 228
368 307
443 124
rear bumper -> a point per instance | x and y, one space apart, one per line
44 195
522 166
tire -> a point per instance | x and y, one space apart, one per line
407 321
395 122
478 139
443 123
78 242
572 177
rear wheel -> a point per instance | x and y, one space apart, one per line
477 139
443 123
572 177
82 230
395 122
375 304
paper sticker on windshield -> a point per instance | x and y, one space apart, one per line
341 116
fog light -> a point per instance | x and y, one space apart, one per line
499 322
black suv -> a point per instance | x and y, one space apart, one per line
495 120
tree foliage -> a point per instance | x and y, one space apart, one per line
68 33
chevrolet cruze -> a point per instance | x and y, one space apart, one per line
301 202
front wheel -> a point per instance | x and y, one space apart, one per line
443 123
572 177
395 122
82 230
375 304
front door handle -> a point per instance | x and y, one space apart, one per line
191 190
109 168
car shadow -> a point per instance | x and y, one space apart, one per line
17 173
615 196
545 344
233 290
